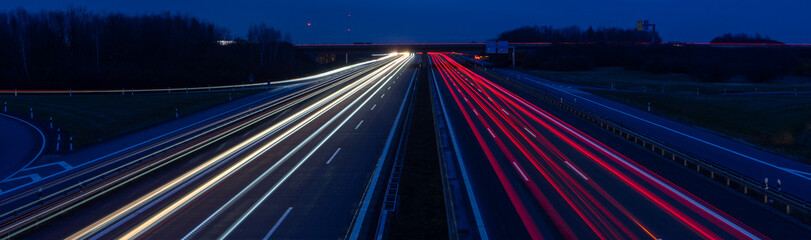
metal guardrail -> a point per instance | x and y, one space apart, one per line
86 185
391 198
461 224
774 197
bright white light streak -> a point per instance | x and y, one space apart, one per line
286 176
85 232
167 211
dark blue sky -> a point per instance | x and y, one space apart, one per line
471 20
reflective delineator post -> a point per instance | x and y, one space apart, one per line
70 92
71 143
32 112
51 121
766 183
229 97
779 185
58 137
648 106
176 114
5 106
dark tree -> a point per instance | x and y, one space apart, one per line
80 49
744 38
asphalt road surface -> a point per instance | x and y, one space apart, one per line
312 170
537 172
20 144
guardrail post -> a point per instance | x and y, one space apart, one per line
132 91
122 91
70 92
229 97
169 89
648 106
779 185
15 92
766 183
727 181
697 92
5 106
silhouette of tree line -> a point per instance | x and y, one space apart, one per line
744 38
575 34
79 49
614 48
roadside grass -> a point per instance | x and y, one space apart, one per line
671 83
781 123
93 118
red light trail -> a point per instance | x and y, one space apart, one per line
515 127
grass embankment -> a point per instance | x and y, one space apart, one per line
93 118
777 122
672 83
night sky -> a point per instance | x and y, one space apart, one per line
471 20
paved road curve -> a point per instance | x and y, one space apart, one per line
20 143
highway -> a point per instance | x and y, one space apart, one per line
536 172
309 166
20 143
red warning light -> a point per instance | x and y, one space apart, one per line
309 24
347 30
